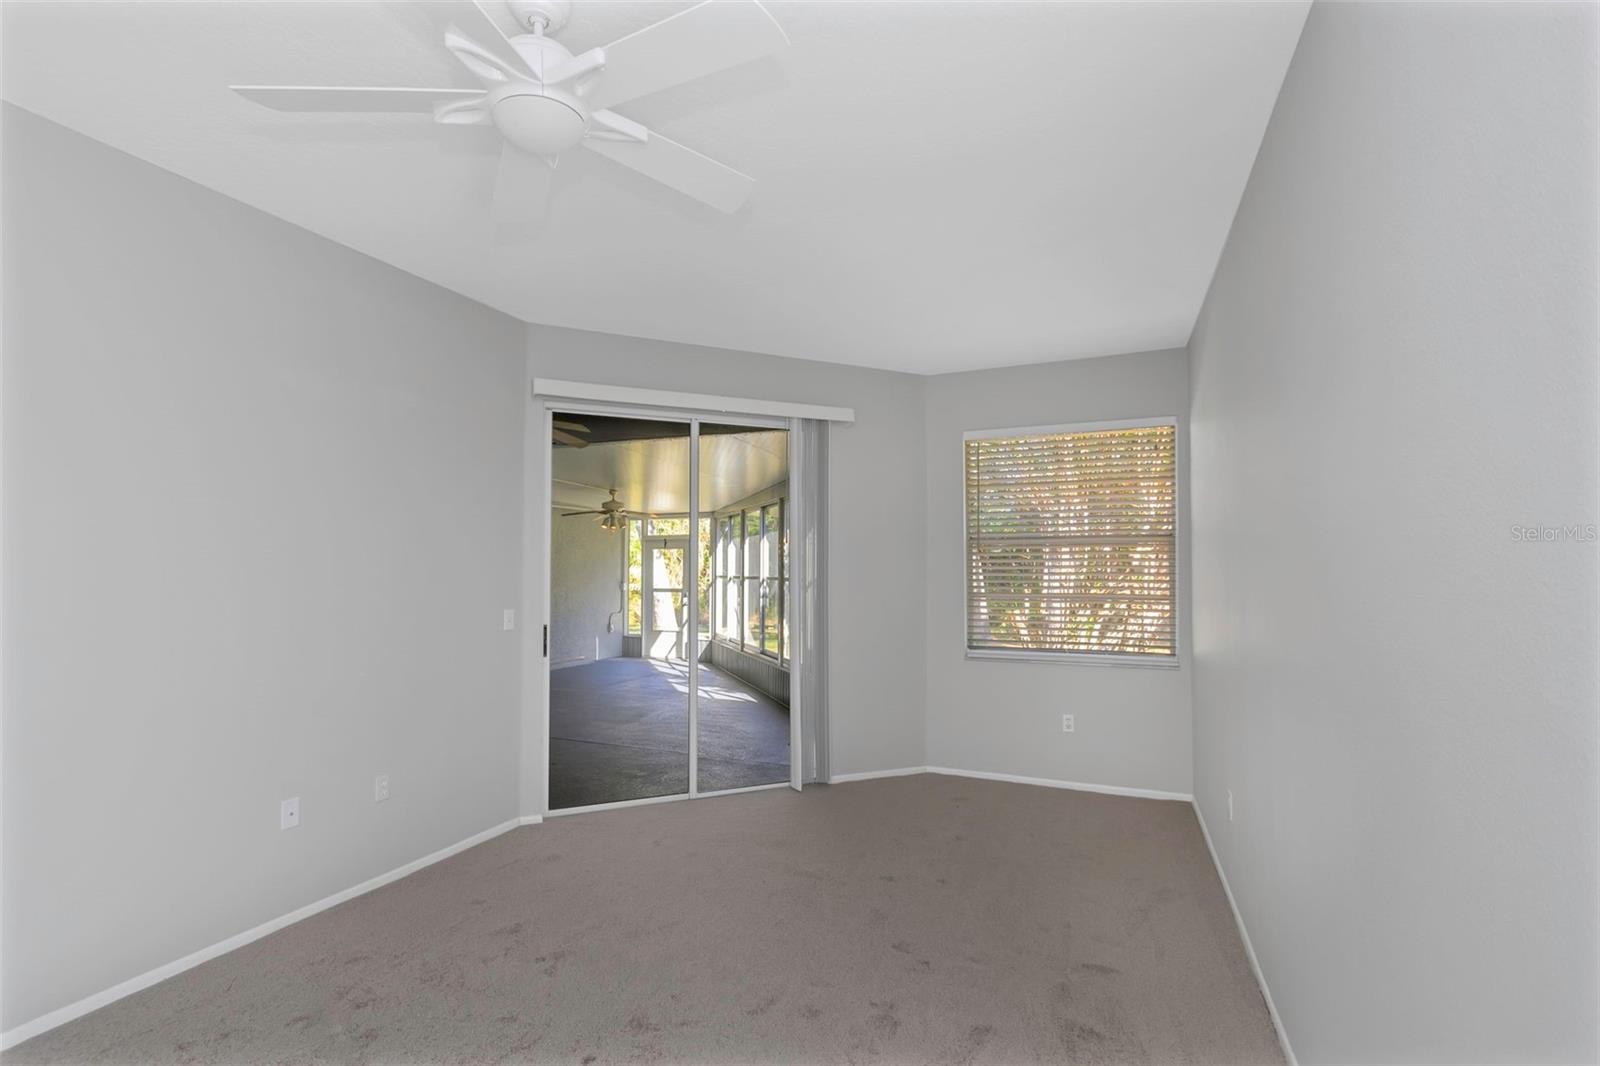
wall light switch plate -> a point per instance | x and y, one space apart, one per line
380 788
289 813
508 620
1067 723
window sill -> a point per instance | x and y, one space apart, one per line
1073 658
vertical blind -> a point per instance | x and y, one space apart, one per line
1071 542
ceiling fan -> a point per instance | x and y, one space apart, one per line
566 433
544 100
611 513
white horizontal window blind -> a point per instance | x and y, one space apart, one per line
1071 542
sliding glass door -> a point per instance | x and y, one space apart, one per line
668 643
742 740
619 690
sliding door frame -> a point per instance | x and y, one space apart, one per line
546 408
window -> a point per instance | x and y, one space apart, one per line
783 562
633 564
752 579
727 581
771 581
703 580
1071 542
751 589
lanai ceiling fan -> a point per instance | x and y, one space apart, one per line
544 100
611 513
566 432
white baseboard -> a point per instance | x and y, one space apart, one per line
1078 786
61 1015
1017 779
1244 935
839 779
531 819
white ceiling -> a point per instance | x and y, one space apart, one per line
940 186
652 476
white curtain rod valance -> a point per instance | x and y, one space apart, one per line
552 389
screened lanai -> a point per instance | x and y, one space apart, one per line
645 600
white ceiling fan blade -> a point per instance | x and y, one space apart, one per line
610 126
489 68
522 191
679 168
349 97
500 19
702 40
473 111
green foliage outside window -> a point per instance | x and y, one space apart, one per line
635 571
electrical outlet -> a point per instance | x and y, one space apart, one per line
289 813
508 619
1067 724
380 788
1230 804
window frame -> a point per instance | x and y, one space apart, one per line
772 586
627 542
740 515
1179 570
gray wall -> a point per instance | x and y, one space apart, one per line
1396 365
585 588
262 509
877 491
1132 723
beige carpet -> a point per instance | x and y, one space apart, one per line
904 920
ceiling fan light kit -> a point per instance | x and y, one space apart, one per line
546 101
